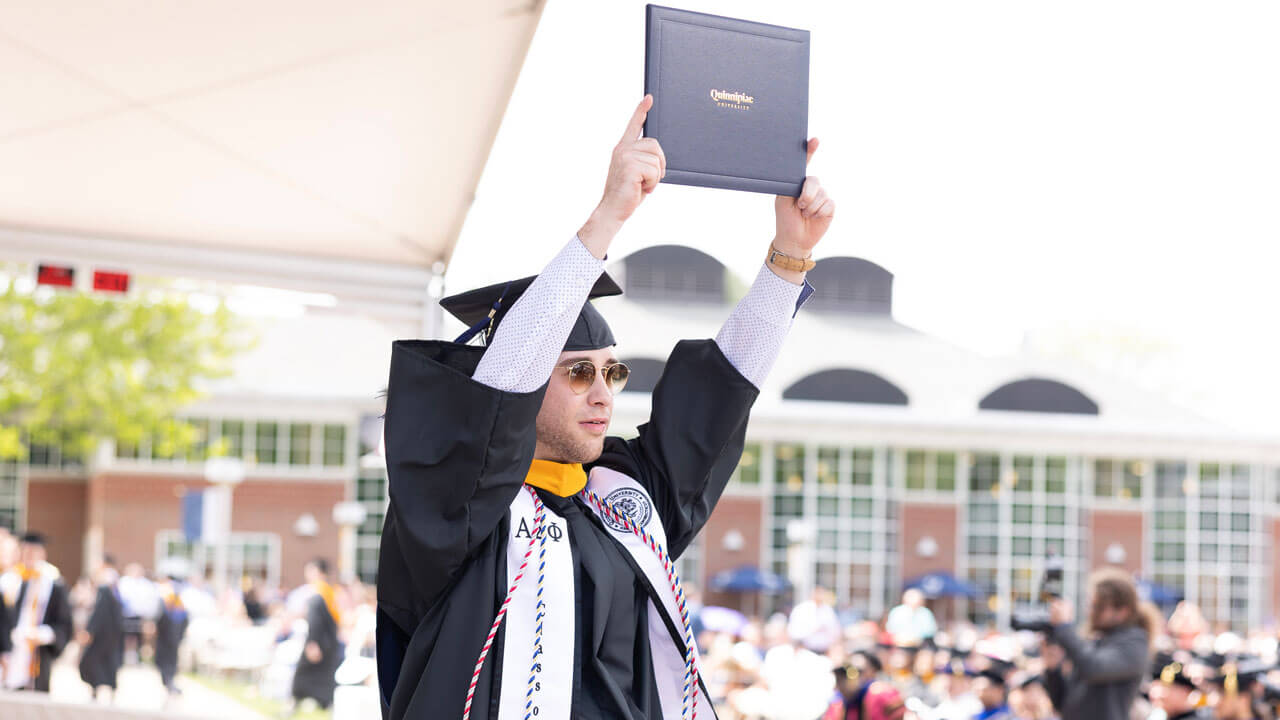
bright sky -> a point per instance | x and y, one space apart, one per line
1101 177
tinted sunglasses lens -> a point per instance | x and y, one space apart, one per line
617 376
581 375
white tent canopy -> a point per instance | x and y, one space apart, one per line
328 145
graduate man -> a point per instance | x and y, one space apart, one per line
102 640
41 619
527 562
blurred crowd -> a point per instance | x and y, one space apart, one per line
306 645
314 645
806 664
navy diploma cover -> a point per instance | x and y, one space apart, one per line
730 100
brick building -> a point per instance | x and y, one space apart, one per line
875 453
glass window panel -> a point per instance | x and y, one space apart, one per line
984 512
1240 522
788 506
789 467
1132 482
983 545
1170 479
1055 515
946 472
1240 482
749 465
827 539
861 540
828 507
335 445
1240 554
1170 520
266 436
1103 479
300 444
1022 514
1208 521
1021 480
983 472
126 450
1055 475
862 466
915 470
861 507
828 466
232 438
1209 480
1208 552
200 447
1022 546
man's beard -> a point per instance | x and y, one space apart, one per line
564 447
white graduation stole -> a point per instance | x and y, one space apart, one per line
551 696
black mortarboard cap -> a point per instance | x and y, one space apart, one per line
1240 675
1167 670
474 307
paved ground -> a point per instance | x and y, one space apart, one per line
140 689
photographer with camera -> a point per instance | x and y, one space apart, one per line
1108 664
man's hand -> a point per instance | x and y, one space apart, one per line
801 222
637 165
312 651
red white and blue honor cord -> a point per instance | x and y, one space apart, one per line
689 701
539 516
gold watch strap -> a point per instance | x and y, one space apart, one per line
786 262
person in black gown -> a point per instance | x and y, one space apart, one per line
171 627
102 640
321 654
527 559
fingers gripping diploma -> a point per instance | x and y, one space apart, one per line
636 167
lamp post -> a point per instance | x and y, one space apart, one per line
224 473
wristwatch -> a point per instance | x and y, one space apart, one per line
781 260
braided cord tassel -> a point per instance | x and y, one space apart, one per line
539 514
540 612
689 701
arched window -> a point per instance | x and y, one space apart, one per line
644 374
846 385
673 273
851 285
1039 395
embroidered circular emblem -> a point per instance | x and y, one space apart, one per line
629 502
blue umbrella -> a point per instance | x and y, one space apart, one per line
749 578
1158 594
942 584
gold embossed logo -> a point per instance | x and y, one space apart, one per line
732 99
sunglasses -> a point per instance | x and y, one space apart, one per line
582 375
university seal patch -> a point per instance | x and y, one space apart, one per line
631 503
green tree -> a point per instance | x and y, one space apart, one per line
76 368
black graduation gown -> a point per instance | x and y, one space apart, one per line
171 626
101 659
57 615
458 452
6 627
315 679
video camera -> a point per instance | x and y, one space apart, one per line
1052 587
